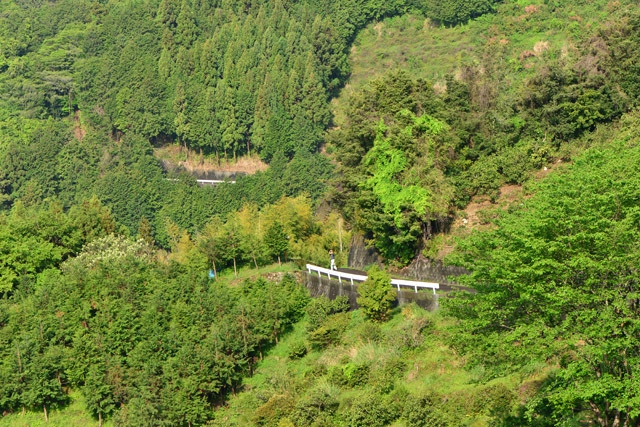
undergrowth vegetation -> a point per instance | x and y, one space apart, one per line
523 92
402 372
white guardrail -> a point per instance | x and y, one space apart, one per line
205 181
359 278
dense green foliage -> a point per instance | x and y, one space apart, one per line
457 11
376 295
136 326
34 240
392 184
144 335
129 180
397 373
219 76
411 154
145 342
557 281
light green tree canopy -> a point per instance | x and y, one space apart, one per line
557 282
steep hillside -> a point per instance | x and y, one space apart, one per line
402 373
550 338
471 108
519 37
130 295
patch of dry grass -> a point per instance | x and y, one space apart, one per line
193 161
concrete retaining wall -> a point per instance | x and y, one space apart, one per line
322 286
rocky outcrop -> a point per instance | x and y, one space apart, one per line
421 268
359 255
428 270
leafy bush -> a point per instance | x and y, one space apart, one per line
423 412
355 375
376 295
498 400
319 309
271 412
385 377
316 406
371 410
297 350
369 332
331 330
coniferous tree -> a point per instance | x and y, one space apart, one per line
276 240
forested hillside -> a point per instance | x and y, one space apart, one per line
130 291
523 92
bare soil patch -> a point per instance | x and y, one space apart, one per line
78 132
192 161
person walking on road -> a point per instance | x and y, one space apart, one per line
333 260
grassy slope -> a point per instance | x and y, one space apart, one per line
431 368
518 38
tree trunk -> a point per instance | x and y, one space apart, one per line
217 158
99 418
235 270
19 359
201 157
248 149
253 255
226 160
46 416
340 232
235 157
215 272
279 263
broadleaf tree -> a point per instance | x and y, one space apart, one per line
557 282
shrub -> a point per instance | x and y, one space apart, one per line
331 331
497 400
316 406
371 410
376 295
369 332
410 334
271 412
297 350
422 412
319 309
384 378
355 375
